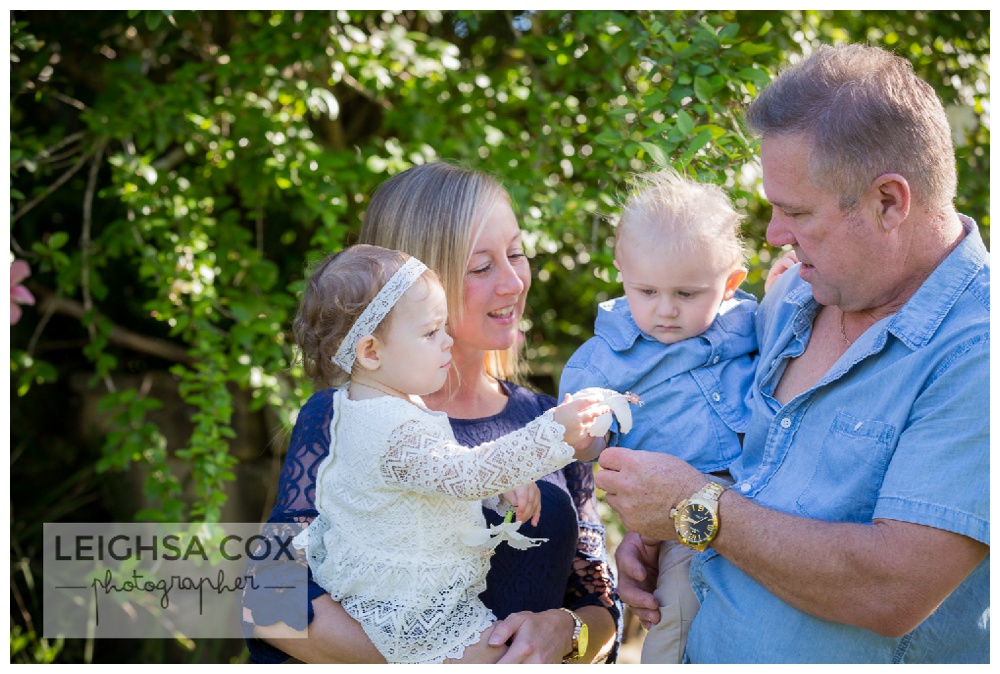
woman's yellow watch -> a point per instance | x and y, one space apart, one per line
579 638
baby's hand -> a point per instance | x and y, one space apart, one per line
527 501
780 266
577 415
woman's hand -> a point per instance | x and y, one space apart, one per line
547 636
638 568
481 652
538 638
333 636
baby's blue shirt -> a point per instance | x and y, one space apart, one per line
693 392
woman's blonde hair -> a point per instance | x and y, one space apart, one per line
338 289
435 212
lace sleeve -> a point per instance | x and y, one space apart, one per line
592 582
295 504
309 445
427 460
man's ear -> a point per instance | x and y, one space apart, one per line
891 194
367 352
733 282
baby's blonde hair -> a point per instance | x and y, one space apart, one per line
666 209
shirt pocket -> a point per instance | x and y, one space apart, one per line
848 470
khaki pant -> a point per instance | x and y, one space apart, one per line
667 639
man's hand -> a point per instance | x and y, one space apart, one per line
642 487
638 562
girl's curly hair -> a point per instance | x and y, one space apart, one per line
338 289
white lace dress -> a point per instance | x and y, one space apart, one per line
395 496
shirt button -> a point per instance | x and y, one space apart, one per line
786 422
716 397
745 487
715 360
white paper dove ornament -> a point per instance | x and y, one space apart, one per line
493 536
619 404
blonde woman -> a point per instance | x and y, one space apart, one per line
556 602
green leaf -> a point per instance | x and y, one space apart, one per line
242 312
654 98
752 49
715 130
701 140
684 122
58 240
265 274
655 153
609 138
703 90
729 32
754 75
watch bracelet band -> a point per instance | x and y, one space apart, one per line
574 653
711 491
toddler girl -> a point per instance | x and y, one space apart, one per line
400 539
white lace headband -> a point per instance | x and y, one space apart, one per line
377 310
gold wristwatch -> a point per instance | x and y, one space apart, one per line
696 519
579 638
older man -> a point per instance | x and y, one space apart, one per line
857 529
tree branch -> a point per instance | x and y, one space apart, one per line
48 155
51 188
88 203
160 348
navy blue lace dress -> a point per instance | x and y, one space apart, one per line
569 570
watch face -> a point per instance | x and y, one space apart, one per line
696 523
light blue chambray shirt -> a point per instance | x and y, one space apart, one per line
898 429
692 391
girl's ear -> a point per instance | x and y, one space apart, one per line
367 352
733 282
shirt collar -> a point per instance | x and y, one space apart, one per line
616 325
916 323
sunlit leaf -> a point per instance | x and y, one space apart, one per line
655 153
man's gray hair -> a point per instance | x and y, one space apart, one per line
865 113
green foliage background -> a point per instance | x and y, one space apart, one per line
171 174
